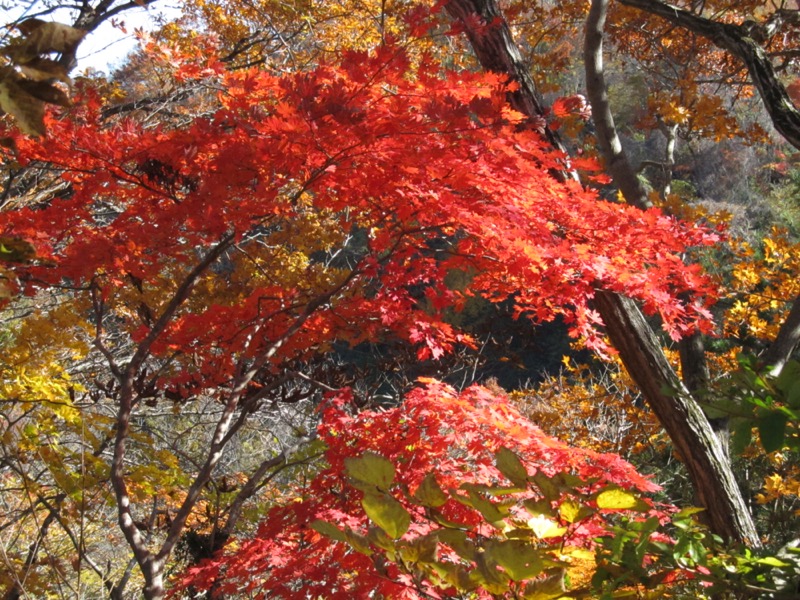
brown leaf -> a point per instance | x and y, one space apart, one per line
28 26
44 92
19 52
42 37
14 249
42 69
26 109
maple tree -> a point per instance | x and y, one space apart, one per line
293 197
629 333
155 226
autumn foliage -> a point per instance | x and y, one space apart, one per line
207 254
411 162
446 493
221 250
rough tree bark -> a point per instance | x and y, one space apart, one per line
684 421
692 353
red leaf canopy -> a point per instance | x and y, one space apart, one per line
429 173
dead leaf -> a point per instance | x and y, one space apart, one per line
42 37
14 249
26 109
43 69
44 92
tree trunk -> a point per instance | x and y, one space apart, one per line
677 411
616 160
682 418
739 41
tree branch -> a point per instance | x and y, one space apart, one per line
680 415
497 52
151 568
785 343
738 41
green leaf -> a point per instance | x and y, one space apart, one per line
789 376
372 469
771 429
492 513
378 537
328 530
444 522
429 493
687 512
772 561
519 533
552 586
793 396
742 435
500 490
539 507
546 485
458 541
643 544
387 513
358 542
511 466
419 550
488 576
455 575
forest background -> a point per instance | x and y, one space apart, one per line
388 299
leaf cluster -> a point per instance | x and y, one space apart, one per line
692 561
435 497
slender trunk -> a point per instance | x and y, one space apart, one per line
679 414
778 354
496 51
747 42
616 161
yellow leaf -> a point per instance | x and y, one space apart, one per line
616 498
543 527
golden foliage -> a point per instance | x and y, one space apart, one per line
764 282
601 411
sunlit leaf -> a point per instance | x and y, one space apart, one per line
771 430
387 513
511 466
617 499
429 493
372 469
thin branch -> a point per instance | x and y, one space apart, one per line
152 568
